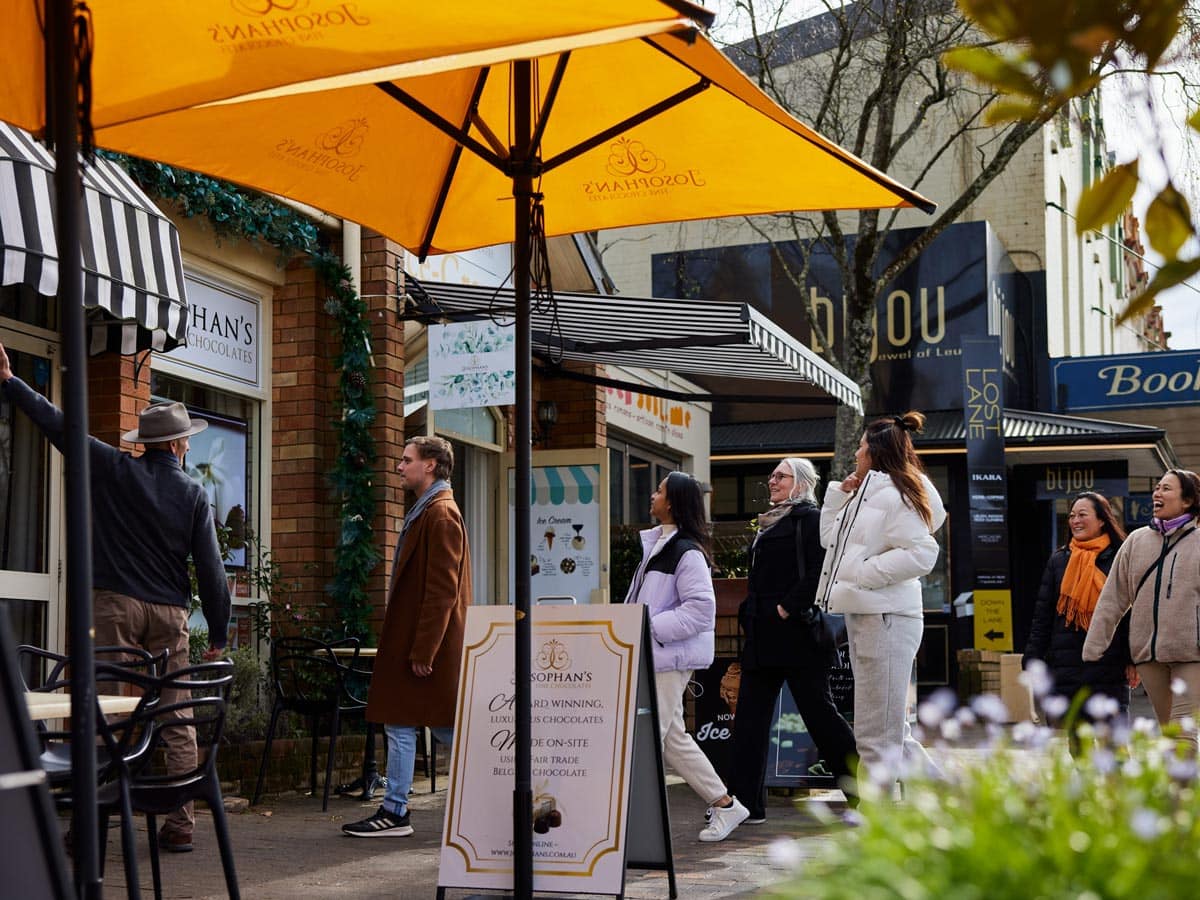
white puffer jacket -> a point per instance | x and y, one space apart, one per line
877 548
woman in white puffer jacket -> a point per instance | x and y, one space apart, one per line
877 528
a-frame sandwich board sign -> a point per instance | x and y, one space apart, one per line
600 802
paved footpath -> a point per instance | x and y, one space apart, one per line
287 849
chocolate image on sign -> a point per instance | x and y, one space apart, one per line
546 814
577 542
567 566
534 568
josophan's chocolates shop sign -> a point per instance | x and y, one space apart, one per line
222 336
1170 378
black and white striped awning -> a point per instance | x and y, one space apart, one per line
706 339
133 271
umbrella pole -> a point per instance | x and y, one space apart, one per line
523 195
85 821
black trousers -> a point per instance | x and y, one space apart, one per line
752 729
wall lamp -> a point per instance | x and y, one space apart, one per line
547 418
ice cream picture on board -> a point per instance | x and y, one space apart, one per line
565 512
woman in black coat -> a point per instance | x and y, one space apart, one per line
1062 613
783 640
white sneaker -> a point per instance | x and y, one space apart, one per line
724 819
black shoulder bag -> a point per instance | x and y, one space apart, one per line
828 629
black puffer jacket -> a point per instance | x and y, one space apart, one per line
1060 646
775 581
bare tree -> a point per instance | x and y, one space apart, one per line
870 76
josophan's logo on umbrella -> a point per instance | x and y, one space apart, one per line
344 140
279 22
637 171
332 150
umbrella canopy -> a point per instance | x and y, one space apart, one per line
389 154
148 60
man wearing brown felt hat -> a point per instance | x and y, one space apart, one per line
148 517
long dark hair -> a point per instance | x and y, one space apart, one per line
892 451
1104 512
685 497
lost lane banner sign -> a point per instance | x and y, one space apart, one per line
983 419
599 793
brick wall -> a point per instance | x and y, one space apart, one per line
581 421
303 386
114 398
380 288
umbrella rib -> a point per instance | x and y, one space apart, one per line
454 133
560 70
622 126
439 205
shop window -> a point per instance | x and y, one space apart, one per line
634 473
23 475
222 458
23 304
725 502
935 587
479 424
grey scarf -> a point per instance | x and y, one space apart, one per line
419 507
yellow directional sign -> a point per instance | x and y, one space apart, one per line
993 620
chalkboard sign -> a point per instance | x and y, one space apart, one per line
35 865
793 760
715 692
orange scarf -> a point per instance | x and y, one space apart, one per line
1082 582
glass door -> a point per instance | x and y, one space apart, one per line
30 476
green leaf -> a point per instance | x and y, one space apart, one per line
1001 112
1172 274
1168 222
991 68
1107 199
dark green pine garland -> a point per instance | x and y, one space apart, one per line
235 213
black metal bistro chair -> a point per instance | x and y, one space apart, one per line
123 742
310 680
147 790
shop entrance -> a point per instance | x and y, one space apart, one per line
30 500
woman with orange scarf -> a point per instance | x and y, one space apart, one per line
1071 585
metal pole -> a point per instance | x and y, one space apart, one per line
63 98
522 194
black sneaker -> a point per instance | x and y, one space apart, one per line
381 824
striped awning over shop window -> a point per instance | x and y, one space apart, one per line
556 485
713 338
133 272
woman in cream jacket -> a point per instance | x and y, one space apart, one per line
1155 579
877 527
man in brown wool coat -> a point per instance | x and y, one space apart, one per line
415 678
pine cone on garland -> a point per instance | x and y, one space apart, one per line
357 381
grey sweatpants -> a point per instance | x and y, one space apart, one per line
883 647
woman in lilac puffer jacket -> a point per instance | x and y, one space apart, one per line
675 584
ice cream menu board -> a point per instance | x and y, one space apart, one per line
585 676
565 541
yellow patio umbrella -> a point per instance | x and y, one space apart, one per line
117 62
453 152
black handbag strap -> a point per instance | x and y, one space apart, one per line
799 549
1168 546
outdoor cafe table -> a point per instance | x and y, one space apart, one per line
370 780
43 706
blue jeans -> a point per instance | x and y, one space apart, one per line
402 759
